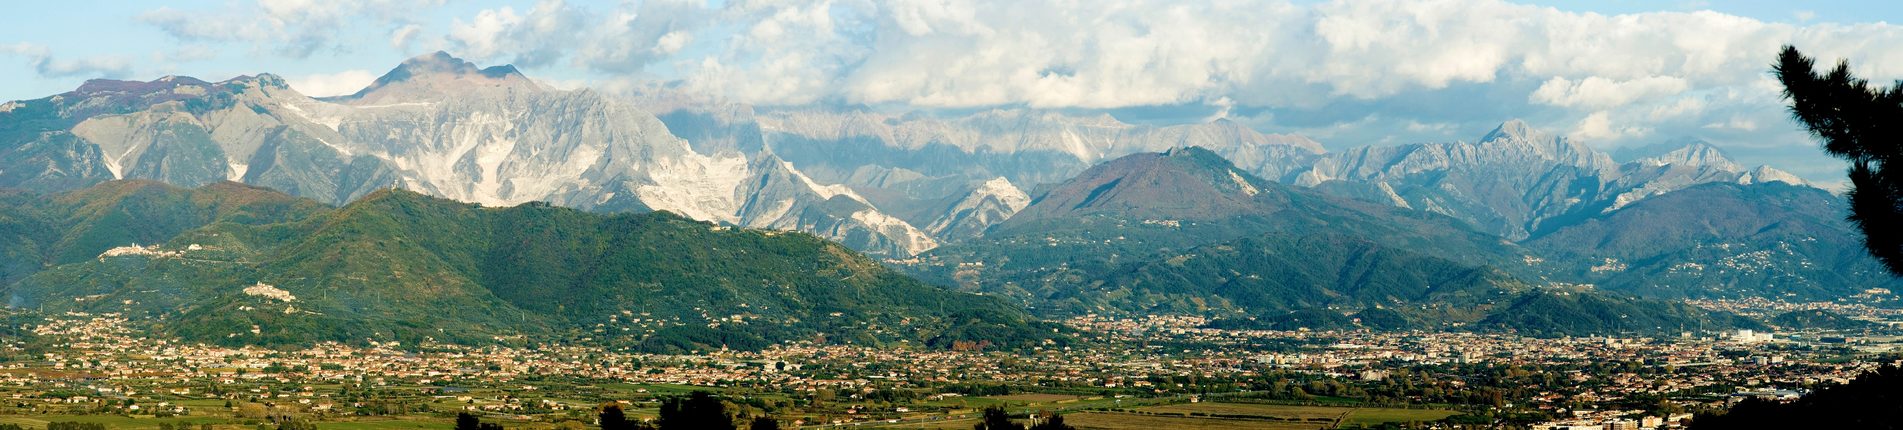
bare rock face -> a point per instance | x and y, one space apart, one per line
778 197
925 169
988 204
1515 181
439 76
434 124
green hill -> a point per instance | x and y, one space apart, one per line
402 266
1187 231
1720 240
1280 272
1818 319
1553 313
38 232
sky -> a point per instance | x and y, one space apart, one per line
1348 73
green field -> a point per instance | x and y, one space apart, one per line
1372 416
111 421
1118 421
1346 415
123 422
387 424
1207 415
1036 398
1283 412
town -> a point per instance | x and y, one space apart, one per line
92 367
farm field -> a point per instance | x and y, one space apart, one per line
1372 416
195 423
1121 421
1036 398
1216 415
1344 415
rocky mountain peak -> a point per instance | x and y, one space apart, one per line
437 74
261 80
441 63
1768 174
1513 129
1183 183
97 87
989 203
1693 153
1518 137
1515 139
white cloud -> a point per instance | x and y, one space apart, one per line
402 37
1680 107
535 38
1599 127
628 40
1735 123
486 35
333 84
294 28
1595 92
48 65
976 53
1064 54
672 42
1427 69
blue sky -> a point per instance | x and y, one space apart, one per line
1346 73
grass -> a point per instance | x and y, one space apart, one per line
1372 416
1035 398
387 424
124 422
1112 421
1347 415
1284 412
111 421
956 424
1244 416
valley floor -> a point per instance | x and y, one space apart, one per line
1156 372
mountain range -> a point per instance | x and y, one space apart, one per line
250 266
1063 213
434 124
1186 232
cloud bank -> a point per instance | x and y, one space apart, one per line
48 65
1347 71
332 84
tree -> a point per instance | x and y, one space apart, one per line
75 425
1860 124
1872 401
612 418
764 423
253 411
697 411
467 421
995 418
1053 422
